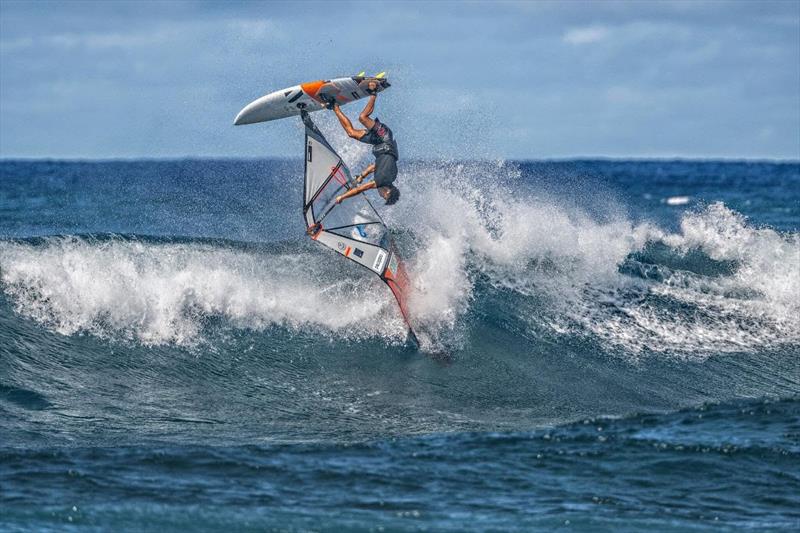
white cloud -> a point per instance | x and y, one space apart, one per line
585 35
94 41
151 36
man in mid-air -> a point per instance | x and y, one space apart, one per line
384 148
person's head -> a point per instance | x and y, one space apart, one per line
390 193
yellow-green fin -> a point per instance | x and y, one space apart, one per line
360 74
381 75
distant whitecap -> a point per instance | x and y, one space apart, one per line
677 200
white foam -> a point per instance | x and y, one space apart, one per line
468 221
163 293
478 220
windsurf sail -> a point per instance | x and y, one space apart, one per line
353 228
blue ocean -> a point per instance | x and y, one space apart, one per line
606 346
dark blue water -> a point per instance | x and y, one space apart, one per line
622 347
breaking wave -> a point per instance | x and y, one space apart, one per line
479 248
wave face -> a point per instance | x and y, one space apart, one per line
177 305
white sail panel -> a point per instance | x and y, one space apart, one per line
321 161
369 255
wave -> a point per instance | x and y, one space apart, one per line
479 248
167 292
718 284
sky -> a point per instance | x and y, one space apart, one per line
476 80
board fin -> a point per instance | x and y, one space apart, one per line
360 74
381 75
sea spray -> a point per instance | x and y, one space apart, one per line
470 232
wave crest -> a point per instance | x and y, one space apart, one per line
480 242
160 293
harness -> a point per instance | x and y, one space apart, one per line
386 143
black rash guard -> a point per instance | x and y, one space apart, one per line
384 148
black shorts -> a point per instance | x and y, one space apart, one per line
385 170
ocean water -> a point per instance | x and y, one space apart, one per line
621 347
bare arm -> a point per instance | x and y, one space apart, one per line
364 117
347 125
367 171
355 191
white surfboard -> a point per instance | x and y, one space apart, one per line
309 96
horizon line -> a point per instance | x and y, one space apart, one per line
157 159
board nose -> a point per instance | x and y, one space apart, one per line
252 112
244 116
